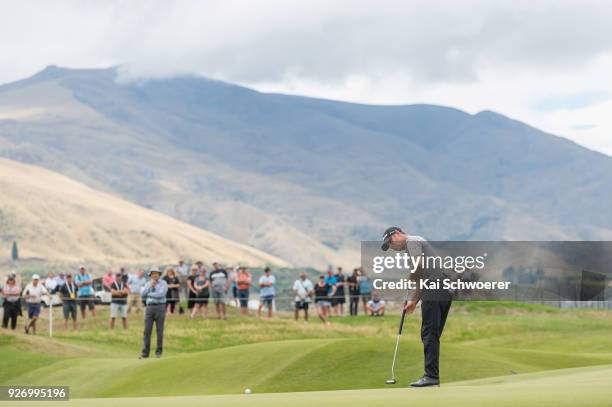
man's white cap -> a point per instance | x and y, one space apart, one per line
154 270
35 277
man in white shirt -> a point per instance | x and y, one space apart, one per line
33 296
303 290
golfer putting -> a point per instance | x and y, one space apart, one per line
435 305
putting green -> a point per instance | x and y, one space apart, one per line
567 387
209 362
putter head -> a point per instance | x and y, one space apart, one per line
391 381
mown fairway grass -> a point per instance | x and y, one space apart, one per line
560 388
202 357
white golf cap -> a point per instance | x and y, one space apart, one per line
154 270
35 277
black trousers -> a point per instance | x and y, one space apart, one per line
154 313
11 312
354 303
434 315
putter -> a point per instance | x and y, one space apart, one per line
393 379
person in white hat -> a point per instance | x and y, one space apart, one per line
154 295
33 296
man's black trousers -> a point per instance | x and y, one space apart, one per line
434 315
154 313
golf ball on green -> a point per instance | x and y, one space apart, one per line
247 391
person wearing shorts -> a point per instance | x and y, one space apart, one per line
266 292
303 289
68 292
201 286
323 291
119 297
85 294
33 314
219 285
219 296
33 295
267 301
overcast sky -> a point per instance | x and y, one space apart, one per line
548 63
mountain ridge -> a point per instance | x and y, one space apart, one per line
309 178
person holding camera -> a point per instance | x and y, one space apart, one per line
303 290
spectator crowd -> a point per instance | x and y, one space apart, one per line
192 286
